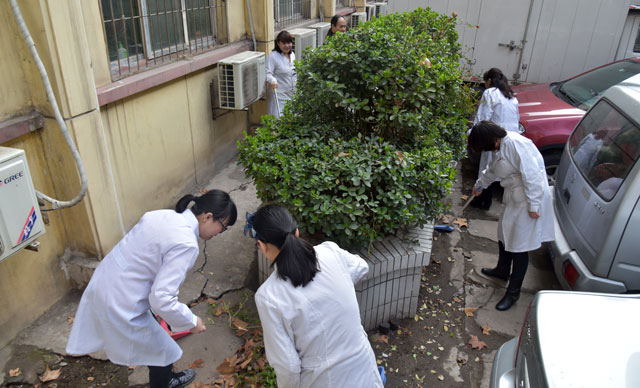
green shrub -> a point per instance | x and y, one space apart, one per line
368 144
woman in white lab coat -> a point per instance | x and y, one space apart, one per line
499 105
281 75
141 274
527 220
308 308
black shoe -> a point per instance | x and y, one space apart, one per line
182 379
493 272
507 301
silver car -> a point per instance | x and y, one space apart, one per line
573 339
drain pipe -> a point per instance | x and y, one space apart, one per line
253 33
524 38
55 204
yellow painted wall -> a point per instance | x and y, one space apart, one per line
140 153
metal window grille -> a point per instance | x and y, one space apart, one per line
345 4
142 34
289 12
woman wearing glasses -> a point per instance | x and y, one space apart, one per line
142 274
308 308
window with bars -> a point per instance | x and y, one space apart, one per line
289 12
345 4
142 34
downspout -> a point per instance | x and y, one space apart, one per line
253 34
55 204
524 38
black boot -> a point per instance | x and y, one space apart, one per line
496 273
509 298
503 269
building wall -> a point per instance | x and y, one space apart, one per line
141 152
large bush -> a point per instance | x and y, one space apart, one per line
367 145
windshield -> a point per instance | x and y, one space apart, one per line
583 91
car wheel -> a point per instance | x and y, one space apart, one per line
551 163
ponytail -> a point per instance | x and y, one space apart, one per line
297 260
499 81
216 202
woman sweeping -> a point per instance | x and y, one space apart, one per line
527 220
142 273
308 308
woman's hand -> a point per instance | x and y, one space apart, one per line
475 192
200 327
274 85
534 215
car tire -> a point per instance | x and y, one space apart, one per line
551 163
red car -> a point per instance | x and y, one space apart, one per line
549 112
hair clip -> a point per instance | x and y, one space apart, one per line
248 227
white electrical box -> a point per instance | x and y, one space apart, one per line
20 218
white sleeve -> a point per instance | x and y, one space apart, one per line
278 344
525 159
485 109
163 298
271 67
487 176
356 265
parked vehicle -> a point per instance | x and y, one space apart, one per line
573 339
596 197
550 111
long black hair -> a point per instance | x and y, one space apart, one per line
484 135
297 260
498 80
216 202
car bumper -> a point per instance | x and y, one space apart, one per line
562 254
503 372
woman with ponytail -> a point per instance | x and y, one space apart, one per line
141 276
499 105
308 308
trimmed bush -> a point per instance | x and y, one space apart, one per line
368 144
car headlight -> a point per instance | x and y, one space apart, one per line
521 128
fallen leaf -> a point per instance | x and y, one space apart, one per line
461 222
15 372
456 299
380 338
440 377
469 311
444 218
464 197
70 320
196 364
90 378
226 368
240 325
446 328
49 374
132 367
218 311
486 330
211 301
476 343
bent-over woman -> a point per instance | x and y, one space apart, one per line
141 276
527 220
308 308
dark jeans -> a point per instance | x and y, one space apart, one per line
520 261
159 376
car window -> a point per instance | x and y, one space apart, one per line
605 146
583 91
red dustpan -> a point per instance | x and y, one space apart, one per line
174 334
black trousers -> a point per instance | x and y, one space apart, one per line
513 264
159 376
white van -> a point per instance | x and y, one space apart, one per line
596 197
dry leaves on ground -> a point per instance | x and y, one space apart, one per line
476 343
464 197
445 218
461 222
380 338
486 330
469 311
50 375
70 320
196 364
15 372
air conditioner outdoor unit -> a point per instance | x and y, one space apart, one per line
357 18
322 29
20 219
370 10
302 38
381 9
241 79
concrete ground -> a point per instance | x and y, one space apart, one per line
225 271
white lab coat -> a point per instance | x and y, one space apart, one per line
143 271
312 335
280 70
520 167
494 106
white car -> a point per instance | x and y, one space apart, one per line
573 339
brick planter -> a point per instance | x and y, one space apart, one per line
391 288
